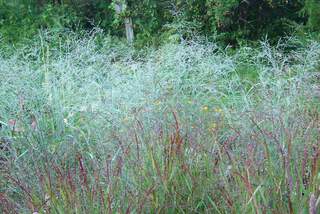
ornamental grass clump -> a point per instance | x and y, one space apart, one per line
190 127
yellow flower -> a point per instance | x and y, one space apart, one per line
190 102
205 108
157 102
218 110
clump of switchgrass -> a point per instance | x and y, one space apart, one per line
186 128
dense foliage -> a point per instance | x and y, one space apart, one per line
229 21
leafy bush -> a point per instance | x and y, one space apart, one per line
22 20
312 9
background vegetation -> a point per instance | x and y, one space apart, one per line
157 21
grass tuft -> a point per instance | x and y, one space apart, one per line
92 127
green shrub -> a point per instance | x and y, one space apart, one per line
311 9
22 20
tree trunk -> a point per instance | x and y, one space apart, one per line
120 7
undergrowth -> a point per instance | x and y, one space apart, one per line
92 127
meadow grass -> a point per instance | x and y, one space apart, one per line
89 126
